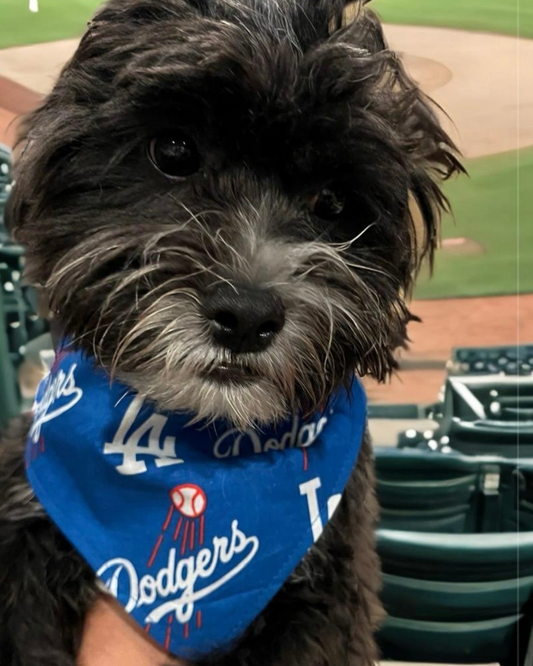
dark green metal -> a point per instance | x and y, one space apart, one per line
9 397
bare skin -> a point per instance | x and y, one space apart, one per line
111 638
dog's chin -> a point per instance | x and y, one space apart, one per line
240 399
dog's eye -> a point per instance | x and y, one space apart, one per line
328 204
175 155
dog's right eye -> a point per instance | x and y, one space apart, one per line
329 203
175 155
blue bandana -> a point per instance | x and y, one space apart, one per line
192 528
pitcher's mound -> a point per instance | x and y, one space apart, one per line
428 73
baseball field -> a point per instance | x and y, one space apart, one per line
475 58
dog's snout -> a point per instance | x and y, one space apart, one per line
242 318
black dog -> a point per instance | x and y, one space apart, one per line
218 199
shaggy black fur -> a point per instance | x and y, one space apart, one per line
309 148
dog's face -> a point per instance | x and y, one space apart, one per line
217 197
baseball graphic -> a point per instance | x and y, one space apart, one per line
189 502
189 499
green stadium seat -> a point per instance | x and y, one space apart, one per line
451 493
456 547
458 558
482 415
517 498
9 396
5 186
424 492
504 359
19 322
488 395
445 601
453 520
435 492
455 598
489 641
397 411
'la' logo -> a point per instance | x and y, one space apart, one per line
129 447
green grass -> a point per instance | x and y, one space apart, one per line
60 19
56 19
486 209
485 15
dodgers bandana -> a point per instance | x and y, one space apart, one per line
193 528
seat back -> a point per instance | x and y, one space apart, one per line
490 641
19 321
430 491
424 492
455 596
483 414
5 186
458 599
9 395
457 558
505 359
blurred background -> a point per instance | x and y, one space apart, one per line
464 388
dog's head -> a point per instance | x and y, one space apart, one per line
218 196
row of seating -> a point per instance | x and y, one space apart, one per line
456 532
19 321
503 359
453 494
5 186
456 545
481 415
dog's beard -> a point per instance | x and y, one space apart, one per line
145 324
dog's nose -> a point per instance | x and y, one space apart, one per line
244 319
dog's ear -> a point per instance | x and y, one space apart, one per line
433 158
430 156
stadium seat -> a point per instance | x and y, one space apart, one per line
458 563
505 359
452 493
489 641
464 558
19 321
9 397
425 492
19 324
457 599
487 397
517 498
5 185
482 415
445 601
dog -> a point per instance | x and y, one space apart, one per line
226 203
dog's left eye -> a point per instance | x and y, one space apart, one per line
328 204
175 155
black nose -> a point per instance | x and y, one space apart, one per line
242 318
